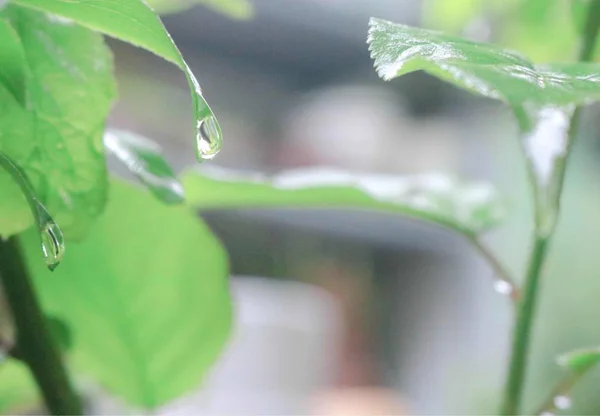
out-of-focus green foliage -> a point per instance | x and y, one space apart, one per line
235 9
542 29
467 208
145 297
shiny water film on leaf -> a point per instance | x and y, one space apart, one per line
144 159
133 21
52 241
469 208
542 97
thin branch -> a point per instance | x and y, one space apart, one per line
500 271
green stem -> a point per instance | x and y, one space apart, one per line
526 309
35 343
522 331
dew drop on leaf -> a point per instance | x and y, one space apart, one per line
53 244
562 402
208 138
503 287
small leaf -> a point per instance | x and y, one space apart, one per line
234 9
467 208
135 22
13 65
580 361
61 332
145 160
53 246
145 297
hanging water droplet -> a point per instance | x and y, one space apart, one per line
562 402
143 158
208 138
53 245
503 287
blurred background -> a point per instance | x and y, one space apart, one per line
358 312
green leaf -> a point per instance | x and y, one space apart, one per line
18 393
235 9
580 361
57 139
145 160
135 22
145 296
467 208
481 68
13 66
542 97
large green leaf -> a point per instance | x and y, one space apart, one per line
12 61
145 297
135 22
235 9
18 393
467 208
57 139
542 97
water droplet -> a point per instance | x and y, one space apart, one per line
143 158
547 414
53 245
209 138
503 287
562 402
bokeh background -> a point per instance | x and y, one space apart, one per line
360 312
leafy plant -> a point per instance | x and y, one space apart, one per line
544 100
138 262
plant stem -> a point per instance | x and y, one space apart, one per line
522 331
36 345
526 309
499 270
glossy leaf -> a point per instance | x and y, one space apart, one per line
235 9
145 296
133 21
57 139
468 208
13 65
542 97
481 68
144 159
580 361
